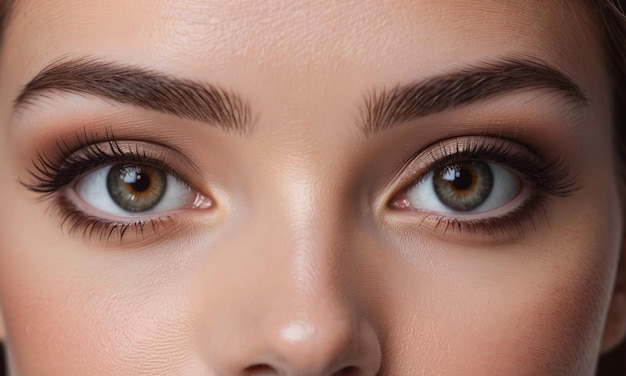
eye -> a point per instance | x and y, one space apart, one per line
128 189
464 187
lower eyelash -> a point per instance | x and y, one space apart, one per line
76 222
511 226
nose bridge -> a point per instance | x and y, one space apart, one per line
308 322
312 283
315 327
312 237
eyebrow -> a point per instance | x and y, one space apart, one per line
144 88
383 109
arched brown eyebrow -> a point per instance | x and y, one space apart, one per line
383 109
142 87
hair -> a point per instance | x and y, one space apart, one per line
611 23
611 20
611 15
5 9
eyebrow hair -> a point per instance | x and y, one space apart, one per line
144 88
383 109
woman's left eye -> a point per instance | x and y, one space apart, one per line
465 187
127 189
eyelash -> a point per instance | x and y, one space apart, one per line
52 174
548 178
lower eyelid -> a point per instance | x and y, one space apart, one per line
111 231
504 227
524 195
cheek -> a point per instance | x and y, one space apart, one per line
68 312
547 321
527 309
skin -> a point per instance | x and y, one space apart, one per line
301 267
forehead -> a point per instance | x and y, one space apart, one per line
296 35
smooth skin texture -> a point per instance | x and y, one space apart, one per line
302 265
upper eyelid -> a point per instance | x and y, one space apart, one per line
554 174
420 172
50 164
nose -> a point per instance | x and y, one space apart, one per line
295 316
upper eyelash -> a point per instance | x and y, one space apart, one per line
53 173
550 176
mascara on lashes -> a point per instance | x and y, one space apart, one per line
544 178
548 177
55 170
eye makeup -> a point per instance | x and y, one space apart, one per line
57 172
541 180
57 175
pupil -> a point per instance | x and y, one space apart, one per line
136 187
141 183
463 179
463 186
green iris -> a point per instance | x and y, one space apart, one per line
135 187
463 186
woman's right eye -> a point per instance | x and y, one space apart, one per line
133 189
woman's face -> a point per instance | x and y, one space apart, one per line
351 188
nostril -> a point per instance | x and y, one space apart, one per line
347 371
260 370
264 369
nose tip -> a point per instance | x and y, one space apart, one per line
304 347
341 347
